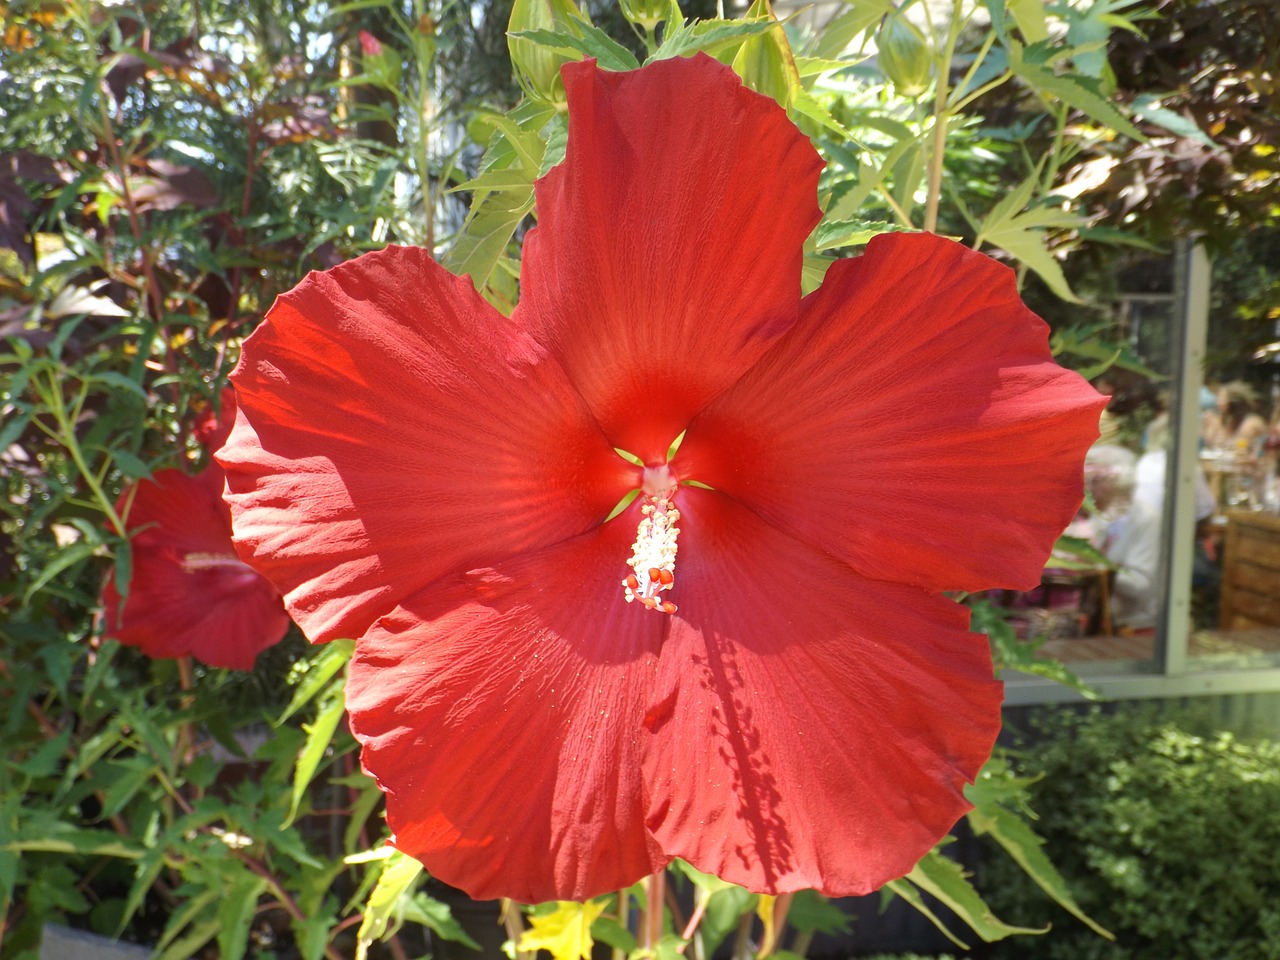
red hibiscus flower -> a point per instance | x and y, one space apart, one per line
189 594
751 666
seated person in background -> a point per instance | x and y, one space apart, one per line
1236 426
1127 531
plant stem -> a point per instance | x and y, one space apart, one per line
67 437
941 114
655 901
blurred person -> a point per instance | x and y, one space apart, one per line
1127 531
1235 426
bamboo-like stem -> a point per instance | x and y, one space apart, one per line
941 114
655 903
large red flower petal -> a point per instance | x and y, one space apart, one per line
912 423
816 729
393 428
501 711
188 593
661 268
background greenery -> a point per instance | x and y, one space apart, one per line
1165 829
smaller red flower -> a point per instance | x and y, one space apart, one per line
188 593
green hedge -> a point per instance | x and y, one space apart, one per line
1168 834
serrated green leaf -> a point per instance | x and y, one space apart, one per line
327 664
1147 106
709 36
482 241
944 879
1079 92
436 916
908 893
136 771
805 104
557 142
319 736
76 553
811 912
45 759
991 818
236 910
850 233
609 54
1028 246
399 875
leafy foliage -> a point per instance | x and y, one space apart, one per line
1165 832
166 170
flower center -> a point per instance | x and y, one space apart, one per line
653 554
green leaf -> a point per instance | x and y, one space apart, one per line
991 817
840 33
945 880
1029 247
609 931
399 875
709 36
236 911
136 771
486 234
76 553
1078 92
1010 653
609 54
850 233
436 916
1147 106
120 381
901 888
324 667
198 934
1030 18
45 760
98 843
811 912
319 736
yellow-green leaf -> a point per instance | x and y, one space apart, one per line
565 933
399 875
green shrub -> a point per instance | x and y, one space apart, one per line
1168 836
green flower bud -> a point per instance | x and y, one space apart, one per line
905 56
646 14
538 67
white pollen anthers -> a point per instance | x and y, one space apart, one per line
653 555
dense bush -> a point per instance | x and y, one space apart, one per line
1166 833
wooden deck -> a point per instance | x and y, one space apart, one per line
1205 644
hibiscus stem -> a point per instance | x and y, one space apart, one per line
941 114
624 906
655 901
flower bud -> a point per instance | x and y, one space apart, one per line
905 56
646 14
538 67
